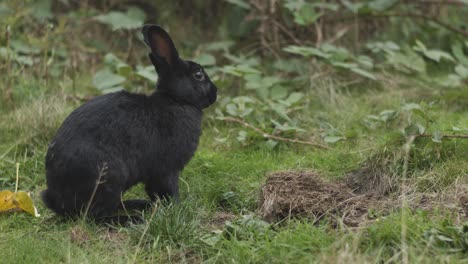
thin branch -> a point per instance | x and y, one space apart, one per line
445 136
409 15
269 136
286 31
102 172
426 17
442 2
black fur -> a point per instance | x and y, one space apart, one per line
117 140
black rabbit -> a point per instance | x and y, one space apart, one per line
117 140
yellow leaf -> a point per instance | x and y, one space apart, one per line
10 201
6 201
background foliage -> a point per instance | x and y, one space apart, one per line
336 85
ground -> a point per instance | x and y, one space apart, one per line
366 199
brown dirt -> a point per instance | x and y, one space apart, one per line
305 194
453 199
78 235
219 219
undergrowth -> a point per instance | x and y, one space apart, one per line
367 104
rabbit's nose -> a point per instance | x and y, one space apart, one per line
212 94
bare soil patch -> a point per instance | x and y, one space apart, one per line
219 219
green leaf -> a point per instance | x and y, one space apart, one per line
115 63
239 70
457 51
20 46
242 136
387 46
5 10
41 9
435 55
407 61
281 110
306 15
306 51
25 60
285 127
147 73
238 107
382 5
345 65
278 92
450 80
253 81
338 54
414 130
133 18
242 59
124 69
271 143
111 60
353 7
211 239
329 6
220 45
205 59
437 137
388 115
263 92
462 71
294 98
289 65
333 139
231 109
113 89
243 100
105 79
270 80
365 61
411 106
240 3
293 5
364 73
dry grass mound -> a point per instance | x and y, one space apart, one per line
305 194
297 194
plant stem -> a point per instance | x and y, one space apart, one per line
269 136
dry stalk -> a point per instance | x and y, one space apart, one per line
102 173
269 136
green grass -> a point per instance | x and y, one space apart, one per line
218 221
225 177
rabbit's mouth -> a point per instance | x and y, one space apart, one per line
212 94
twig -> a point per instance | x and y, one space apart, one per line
425 17
17 178
102 172
444 136
285 31
409 15
269 136
441 2
404 201
140 241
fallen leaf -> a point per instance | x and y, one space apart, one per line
19 201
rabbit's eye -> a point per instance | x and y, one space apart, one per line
199 76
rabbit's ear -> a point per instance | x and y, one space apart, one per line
160 43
